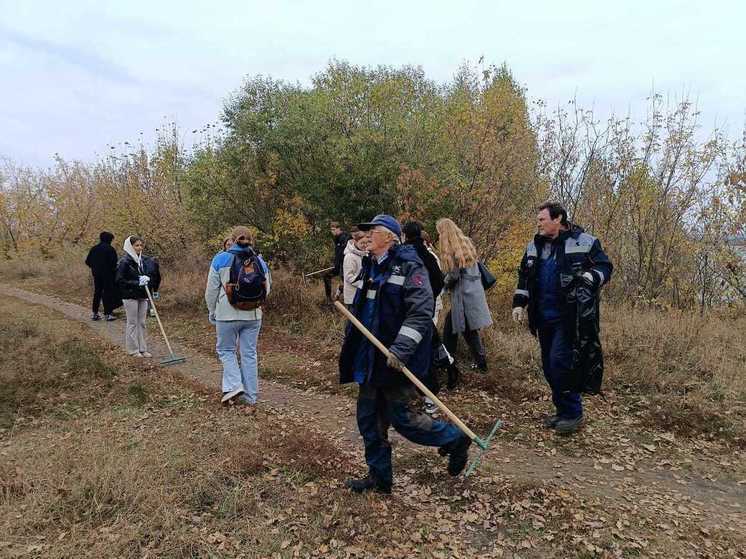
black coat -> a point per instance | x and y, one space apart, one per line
340 243
102 260
128 277
431 264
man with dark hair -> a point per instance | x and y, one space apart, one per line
396 305
340 243
102 260
560 276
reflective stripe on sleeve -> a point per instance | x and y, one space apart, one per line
523 292
410 333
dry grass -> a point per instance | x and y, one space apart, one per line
150 467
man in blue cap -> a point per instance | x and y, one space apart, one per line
396 305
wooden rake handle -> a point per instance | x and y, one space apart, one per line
158 318
417 382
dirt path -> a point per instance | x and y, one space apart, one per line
671 492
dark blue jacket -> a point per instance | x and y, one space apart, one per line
575 252
401 319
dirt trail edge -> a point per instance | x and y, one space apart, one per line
721 501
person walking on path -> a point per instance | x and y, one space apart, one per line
340 243
134 272
102 260
396 305
469 311
239 267
355 251
559 279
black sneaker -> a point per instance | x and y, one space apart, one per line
453 376
568 426
96 316
550 421
368 483
458 454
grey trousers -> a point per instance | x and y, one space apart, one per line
134 334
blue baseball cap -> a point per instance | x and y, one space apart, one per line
383 220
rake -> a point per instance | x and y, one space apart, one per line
171 359
483 444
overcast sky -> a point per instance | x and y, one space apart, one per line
77 76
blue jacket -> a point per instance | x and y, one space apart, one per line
218 275
400 317
576 252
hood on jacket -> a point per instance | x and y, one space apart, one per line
352 249
238 250
129 249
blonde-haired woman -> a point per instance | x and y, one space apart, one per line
469 311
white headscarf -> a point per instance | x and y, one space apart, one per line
129 249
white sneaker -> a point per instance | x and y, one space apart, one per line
430 407
146 354
229 396
135 354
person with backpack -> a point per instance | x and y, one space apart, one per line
102 260
469 311
135 271
238 283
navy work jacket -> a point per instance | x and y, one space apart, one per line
401 319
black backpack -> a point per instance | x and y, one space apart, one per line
247 286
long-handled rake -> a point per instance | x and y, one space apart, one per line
172 359
483 444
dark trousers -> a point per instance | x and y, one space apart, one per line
473 340
327 277
379 408
556 359
103 289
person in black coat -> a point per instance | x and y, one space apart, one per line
102 260
340 243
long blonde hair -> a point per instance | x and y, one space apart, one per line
456 249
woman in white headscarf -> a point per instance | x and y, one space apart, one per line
134 272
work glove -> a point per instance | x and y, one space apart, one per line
144 280
211 318
519 315
156 296
394 362
338 294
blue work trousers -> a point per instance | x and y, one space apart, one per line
556 359
379 408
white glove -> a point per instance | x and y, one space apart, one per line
211 318
144 280
518 315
